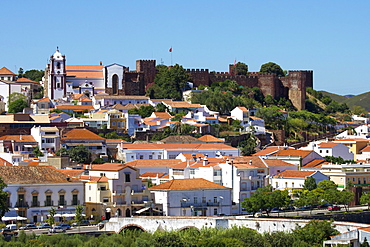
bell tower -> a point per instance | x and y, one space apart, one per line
57 87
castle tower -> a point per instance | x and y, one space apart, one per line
56 82
148 68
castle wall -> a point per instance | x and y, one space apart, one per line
148 69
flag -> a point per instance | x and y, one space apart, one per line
170 50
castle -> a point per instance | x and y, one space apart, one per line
62 80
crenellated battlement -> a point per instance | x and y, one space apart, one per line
197 70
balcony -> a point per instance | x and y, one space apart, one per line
21 204
48 203
62 202
118 192
75 202
35 204
202 204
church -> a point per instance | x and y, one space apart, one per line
62 80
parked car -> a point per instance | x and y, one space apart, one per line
57 229
289 208
275 210
334 208
102 224
43 226
28 227
65 226
83 223
9 232
325 205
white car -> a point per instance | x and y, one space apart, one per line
56 229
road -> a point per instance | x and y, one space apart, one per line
315 211
81 229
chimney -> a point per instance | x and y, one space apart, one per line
205 161
101 63
250 162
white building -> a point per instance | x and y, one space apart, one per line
48 138
192 197
290 180
129 152
33 191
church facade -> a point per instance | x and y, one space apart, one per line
62 80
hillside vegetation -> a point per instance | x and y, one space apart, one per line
361 100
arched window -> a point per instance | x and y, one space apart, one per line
58 65
115 84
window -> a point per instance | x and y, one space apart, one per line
159 157
320 151
62 202
49 140
141 157
75 200
327 151
215 199
292 184
215 211
127 178
204 199
35 202
286 184
172 156
195 199
276 185
102 174
103 188
192 171
150 156
48 201
105 199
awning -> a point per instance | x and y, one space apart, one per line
142 210
4 218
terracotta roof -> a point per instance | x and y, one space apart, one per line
152 174
187 184
5 71
5 163
277 162
243 108
114 140
77 95
118 106
366 149
25 80
192 155
83 71
181 104
85 99
294 174
46 99
350 140
247 162
109 167
256 118
210 138
94 179
163 115
33 163
76 107
153 162
366 229
71 173
18 138
181 139
179 146
314 164
271 150
327 144
81 134
297 153
32 175
120 97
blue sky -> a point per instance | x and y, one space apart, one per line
331 38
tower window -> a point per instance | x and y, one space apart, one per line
58 65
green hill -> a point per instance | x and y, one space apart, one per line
336 97
362 100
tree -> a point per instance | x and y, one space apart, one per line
241 69
161 108
309 184
315 232
79 154
79 214
143 111
34 75
62 152
344 197
51 219
3 198
36 151
169 83
20 73
248 146
365 199
272 68
17 102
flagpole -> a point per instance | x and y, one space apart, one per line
171 56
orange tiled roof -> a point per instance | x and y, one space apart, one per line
46 99
76 107
115 140
182 104
71 173
25 80
327 144
94 179
163 115
366 149
210 138
18 138
188 184
5 71
153 162
184 146
83 71
81 134
152 174
295 174
192 155
247 162
243 108
301 153
277 162
85 99
110 167
5 163
314 164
